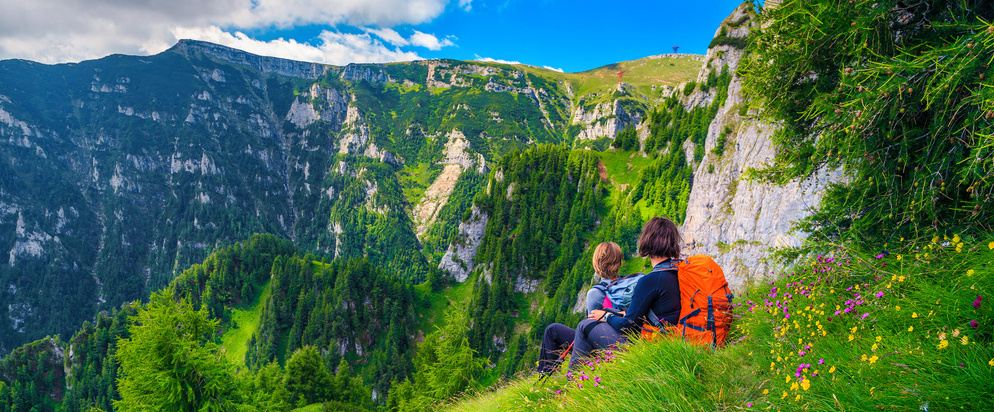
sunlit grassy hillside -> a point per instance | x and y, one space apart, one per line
908 328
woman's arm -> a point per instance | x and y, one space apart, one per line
644 296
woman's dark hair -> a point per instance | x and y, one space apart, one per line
660 238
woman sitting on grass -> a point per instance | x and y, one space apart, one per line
557 337
658 292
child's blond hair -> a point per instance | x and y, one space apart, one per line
607 260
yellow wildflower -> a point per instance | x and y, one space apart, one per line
797 398
894 277
965 340
889 285
788 380
793 387
911 328
863 358
766 391
806 384
914 314
943 344
935 239
991 362
874 347
899 257
942 335
873 359
851 337
898 307
969 272
956 239
900 278
879 338
853 330
832 370
991 245
955 333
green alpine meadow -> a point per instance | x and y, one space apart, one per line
208 229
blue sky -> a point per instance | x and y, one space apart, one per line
570 35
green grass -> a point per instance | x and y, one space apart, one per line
456 296
314 407
246 322
909 344
415 180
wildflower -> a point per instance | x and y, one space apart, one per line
880 294
851 337
943 344
956 333
942 335
879 338
560 391
900 278
579 385
749 405
911 328
914 314
797 398
969 272
832 370
880 256
991 362
853 330
821 361
976 303
991 245
874 347
899 257
965 340
806 384
863 358
794 386
897 308
974 324
873 359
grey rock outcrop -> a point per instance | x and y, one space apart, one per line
607 119
459 258
458 158
276 65
734 220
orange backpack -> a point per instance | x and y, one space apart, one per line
705 305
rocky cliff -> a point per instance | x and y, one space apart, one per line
738 221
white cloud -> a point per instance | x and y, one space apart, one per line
54 31
390 36
335 48
466 4
493 60
552 68
429 41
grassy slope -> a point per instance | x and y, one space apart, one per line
246 322
914 349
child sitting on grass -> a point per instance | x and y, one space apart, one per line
557 337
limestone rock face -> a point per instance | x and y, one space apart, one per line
606 119
264 64
458 158
458 259
737 221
